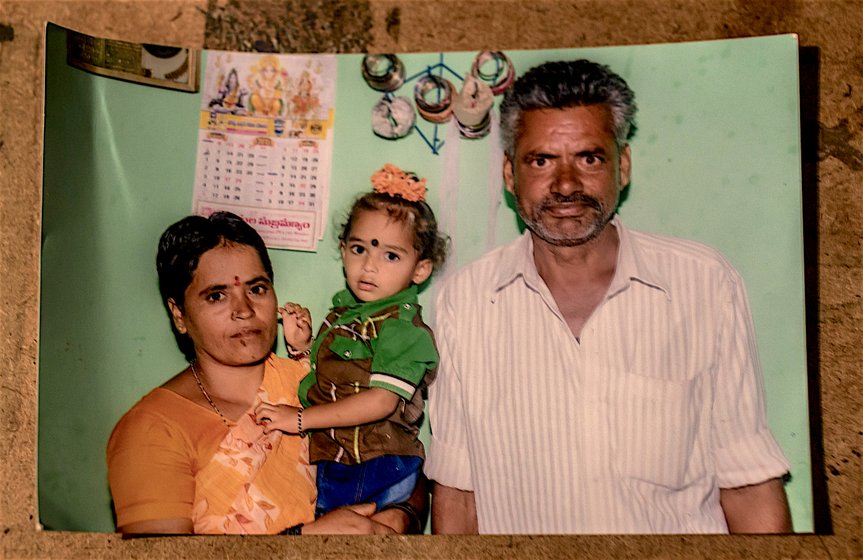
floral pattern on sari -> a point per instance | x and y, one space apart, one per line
240 489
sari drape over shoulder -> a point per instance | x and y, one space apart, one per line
169 457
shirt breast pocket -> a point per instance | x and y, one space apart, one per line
350 349
655 427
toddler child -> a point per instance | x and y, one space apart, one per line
373 355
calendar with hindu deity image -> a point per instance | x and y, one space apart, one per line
265 143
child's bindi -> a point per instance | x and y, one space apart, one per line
375 242
236 281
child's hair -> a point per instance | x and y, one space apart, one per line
430 244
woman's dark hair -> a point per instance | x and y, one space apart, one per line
180 250
428 242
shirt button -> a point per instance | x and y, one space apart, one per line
347 353
407 306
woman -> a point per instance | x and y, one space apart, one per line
189 457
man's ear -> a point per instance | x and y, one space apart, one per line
625 166
508 173
422 271
177 316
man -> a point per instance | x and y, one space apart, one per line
595 379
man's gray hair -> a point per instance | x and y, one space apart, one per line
562 84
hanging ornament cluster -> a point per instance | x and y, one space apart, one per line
435 98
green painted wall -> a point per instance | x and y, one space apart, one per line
716 158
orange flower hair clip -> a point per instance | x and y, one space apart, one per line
404 184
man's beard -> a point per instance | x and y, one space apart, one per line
561 237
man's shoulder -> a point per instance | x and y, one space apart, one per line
484 272
665 248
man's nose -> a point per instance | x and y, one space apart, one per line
567 179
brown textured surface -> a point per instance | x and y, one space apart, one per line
327 26
832 78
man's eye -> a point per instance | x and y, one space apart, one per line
391 257
539 161
592 160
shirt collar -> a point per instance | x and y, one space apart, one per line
345 298
516 262
632 266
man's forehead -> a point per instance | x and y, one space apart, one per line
572 111
578 119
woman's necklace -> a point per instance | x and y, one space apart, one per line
206 395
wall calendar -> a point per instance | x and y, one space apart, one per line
265 143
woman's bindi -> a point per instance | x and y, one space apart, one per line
375 242
236 281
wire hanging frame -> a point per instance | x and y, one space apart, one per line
450 102
433 141
440 69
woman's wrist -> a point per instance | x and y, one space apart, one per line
296 354
413 524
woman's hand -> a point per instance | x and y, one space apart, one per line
277 417
395 519
297 326
350 520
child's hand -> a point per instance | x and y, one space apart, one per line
297 325
277 417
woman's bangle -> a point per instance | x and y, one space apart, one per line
295 530
383 72
437 111
393 117
414 526
294 355
503 75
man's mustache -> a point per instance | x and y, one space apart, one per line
556 199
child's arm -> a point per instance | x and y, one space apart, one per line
362 408
297 326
